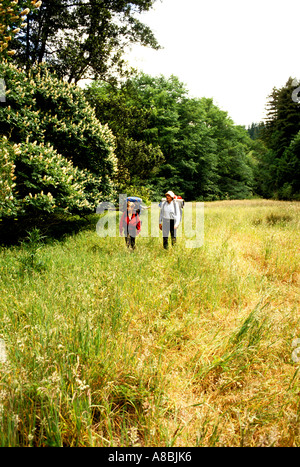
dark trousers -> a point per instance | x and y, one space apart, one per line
130 241
168 228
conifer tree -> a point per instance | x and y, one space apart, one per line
278 173
283 118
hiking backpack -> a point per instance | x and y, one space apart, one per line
137 203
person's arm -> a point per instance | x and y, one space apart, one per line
138 225
177 215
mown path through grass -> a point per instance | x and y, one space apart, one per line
186 347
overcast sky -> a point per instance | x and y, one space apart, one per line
233 51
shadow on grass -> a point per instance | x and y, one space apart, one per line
14 231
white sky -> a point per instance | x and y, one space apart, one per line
234 51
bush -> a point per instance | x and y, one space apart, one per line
49 182
7 177
56 156
12 17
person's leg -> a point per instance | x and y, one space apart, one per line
166 231
132 241
172 231
127 240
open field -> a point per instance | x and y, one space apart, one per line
185 347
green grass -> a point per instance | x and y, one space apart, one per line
186 347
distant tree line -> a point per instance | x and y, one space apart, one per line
278 169
167 139
57 158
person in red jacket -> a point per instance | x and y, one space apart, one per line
131 225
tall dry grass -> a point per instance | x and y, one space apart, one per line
186 347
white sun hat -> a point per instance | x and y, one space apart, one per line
171 194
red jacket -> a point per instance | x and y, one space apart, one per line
132 226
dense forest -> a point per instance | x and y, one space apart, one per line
278 174
165 138
63 148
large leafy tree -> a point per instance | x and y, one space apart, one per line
118 107
175 125
83 38
206 156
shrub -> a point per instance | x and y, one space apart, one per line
58 157
12 17
47 182
7 177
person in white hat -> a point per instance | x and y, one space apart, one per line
169 218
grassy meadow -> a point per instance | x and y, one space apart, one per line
185 347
